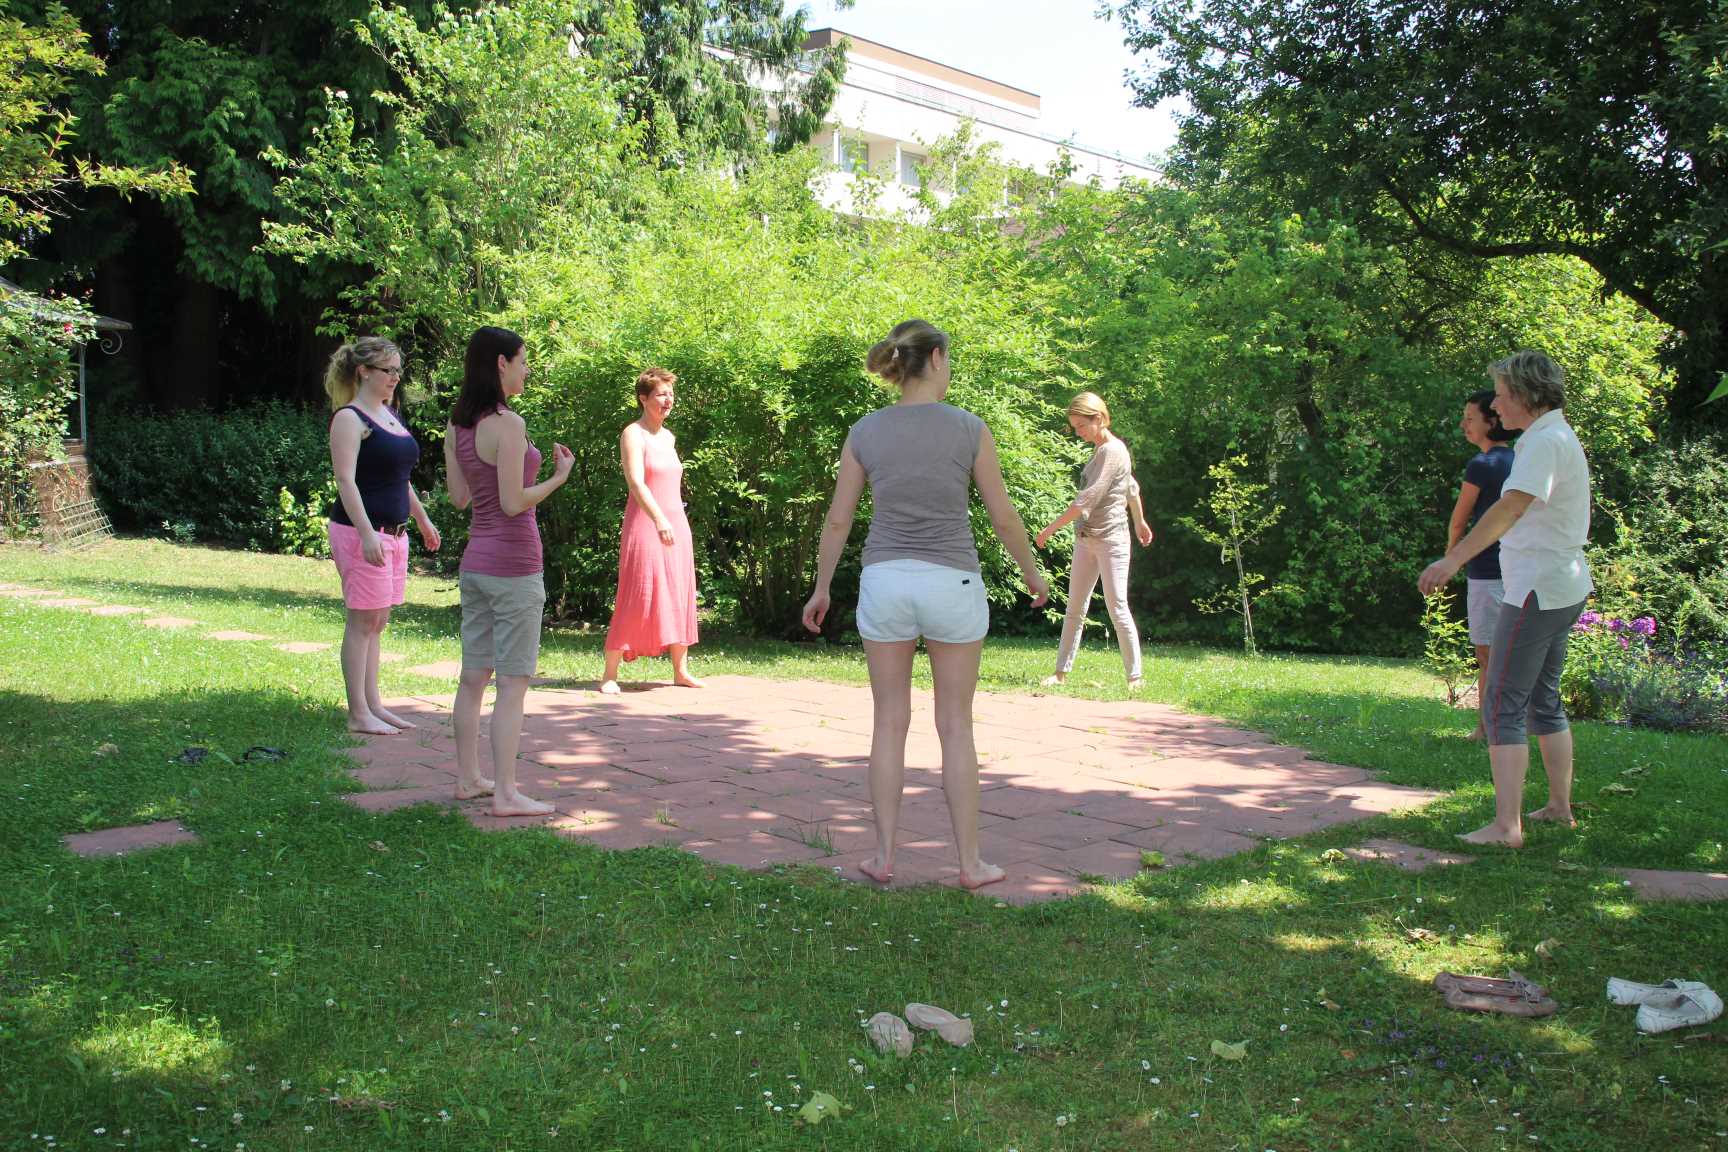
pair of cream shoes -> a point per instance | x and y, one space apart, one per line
1667 1006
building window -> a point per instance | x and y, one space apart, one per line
909 162
854 155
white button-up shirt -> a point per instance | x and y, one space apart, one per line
1544 551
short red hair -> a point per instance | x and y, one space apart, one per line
651 379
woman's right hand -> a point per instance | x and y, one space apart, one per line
562 461
372 549
1037 586
666 535
814 610
1043 538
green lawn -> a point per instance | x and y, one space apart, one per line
314 977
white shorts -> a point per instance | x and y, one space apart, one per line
905 599
1483 607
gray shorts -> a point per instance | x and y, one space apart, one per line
1522 697
501 622
1483 604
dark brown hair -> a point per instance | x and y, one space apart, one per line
905 354
482 392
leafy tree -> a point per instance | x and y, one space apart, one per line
1590 130
687 68
1237 515
39 64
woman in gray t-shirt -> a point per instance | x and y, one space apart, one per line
921 576
1108 500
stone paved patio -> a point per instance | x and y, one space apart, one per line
760 772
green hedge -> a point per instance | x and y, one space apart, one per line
200 475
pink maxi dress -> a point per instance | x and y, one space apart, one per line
656 604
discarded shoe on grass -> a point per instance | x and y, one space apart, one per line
1669 1005
890 1034
1513 996
929 1018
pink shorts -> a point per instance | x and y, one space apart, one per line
369 586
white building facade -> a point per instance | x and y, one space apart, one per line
893 105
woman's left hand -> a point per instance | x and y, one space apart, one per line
1435 576
429 535
1143 532
1043 538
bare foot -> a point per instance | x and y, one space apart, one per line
473 789
1134 682
1494 834
520 805
1547 812
972 878
370 726
393 719
877 870
688 681
609 688
1053 680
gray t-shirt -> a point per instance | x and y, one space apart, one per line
918 459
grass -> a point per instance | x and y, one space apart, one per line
311 976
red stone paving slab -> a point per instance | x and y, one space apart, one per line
234 634
116 610
302 647
169 622
441 670
131 838
763 772
1409 857
1655 884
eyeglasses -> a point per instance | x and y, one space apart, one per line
394 373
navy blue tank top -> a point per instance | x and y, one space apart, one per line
381 473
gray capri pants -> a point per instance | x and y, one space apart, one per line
1524 665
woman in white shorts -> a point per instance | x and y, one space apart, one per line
921 576
1483 478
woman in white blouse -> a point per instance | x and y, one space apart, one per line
1108 499
1541 521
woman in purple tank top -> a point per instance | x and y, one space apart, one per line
491 468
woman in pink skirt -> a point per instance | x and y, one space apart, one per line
655 610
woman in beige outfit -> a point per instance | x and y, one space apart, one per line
1109 500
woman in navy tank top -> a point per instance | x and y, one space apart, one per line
373 454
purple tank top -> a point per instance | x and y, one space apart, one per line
498 545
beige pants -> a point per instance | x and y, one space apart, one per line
1100 558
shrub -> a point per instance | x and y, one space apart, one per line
210 476
36 388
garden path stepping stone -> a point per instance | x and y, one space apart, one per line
1406 856
442 670
760 773
169 622
302 647
116 610
131 838
233 634
69 602
1655 884
390 657
18 592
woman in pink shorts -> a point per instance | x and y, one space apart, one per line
373 453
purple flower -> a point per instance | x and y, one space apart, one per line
1624 642
1587 621
1644 625
1615 624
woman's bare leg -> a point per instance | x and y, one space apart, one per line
680 654
891 693
360 671
470 695
954 667
507 799
372 661
609 678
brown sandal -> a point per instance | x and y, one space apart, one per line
1514 996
